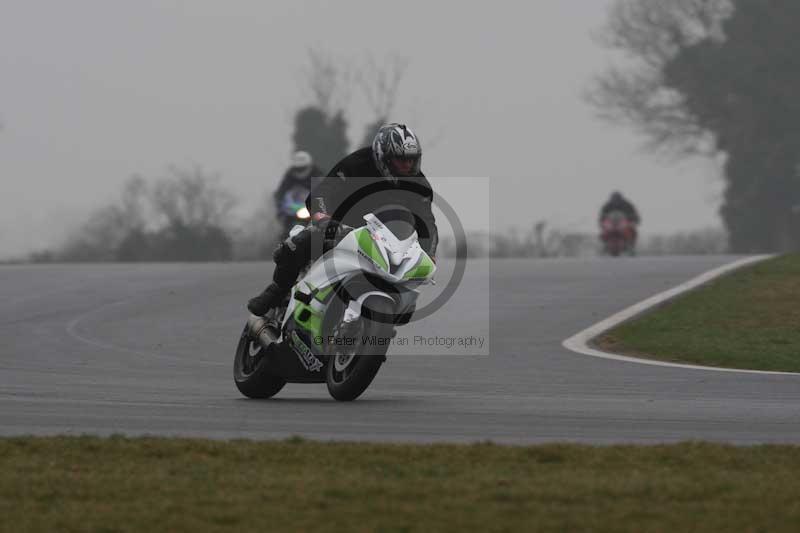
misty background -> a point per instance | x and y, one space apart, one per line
95 92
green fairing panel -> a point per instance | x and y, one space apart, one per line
422 270
314 322
320 294
369 247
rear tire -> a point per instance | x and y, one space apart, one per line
348 384
251 369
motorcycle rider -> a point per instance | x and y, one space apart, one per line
617 202
301 170
386 173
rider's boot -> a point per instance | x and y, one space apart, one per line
290 257
271 297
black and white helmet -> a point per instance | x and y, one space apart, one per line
396 141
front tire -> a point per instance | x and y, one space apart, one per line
349 374
251 369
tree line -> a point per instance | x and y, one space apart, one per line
542 241
183 216
718 78
186 215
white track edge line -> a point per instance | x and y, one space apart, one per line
71 328
579 343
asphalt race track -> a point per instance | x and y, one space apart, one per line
147 349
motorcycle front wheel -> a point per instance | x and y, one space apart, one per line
356 351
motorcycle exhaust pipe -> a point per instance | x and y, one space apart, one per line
260 331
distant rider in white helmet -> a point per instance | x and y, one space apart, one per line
301 170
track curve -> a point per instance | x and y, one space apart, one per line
147 349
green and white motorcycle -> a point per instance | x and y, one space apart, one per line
341 316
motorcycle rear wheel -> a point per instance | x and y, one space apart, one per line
251 369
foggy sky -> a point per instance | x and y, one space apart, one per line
94 91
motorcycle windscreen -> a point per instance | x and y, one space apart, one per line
399 222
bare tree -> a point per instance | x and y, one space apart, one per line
104 230
380 83
716 77
333 82
321 127
330 81
133 206
192 197
650 33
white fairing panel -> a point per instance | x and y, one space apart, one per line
346 258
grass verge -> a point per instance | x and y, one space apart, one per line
149 484
748 319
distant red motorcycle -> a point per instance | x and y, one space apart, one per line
618 234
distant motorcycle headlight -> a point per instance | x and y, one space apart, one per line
303 214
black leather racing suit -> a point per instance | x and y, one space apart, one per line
353 188
620 204
289 181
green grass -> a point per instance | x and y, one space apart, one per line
748 319
120 484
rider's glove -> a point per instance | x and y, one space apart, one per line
320 217
333 231
327 226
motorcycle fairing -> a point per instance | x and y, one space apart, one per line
370 252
